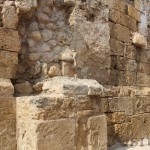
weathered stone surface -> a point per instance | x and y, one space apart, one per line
75 86
139 40
51 133
8 64
10 17
97 137
26 5
10 40
8 123
6 88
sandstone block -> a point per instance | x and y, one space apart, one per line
114 16
133 24
8 123
143 79
119 5
124 20
130 52
57 134
8 64
97 137
123 131
10 40
10 17
122 105
138 123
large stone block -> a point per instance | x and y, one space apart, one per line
121 104
9 40
122 33
10 17
57 134
73 86
97 129
8 64
132 12
117 47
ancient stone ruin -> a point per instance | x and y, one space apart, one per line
74 74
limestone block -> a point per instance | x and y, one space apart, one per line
26 5
10 40
57 134
97 137
139 40
8 64
10 17
6 88
138 123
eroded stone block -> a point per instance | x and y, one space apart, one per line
8 64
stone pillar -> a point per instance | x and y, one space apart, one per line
66 119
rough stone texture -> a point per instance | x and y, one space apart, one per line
8 124
54 121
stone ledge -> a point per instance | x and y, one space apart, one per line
73 86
